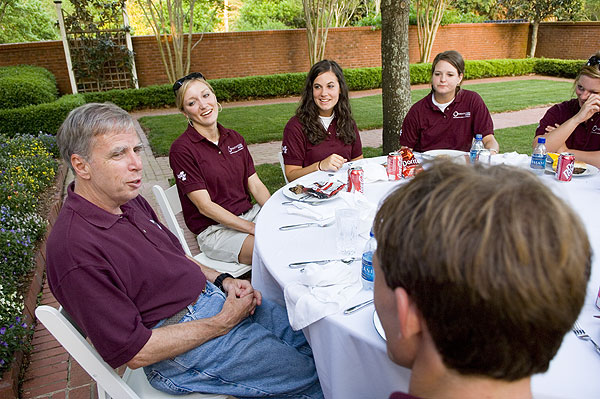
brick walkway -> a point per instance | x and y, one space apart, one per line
52 373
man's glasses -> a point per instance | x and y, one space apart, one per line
179 82
593 61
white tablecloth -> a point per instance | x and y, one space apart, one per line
351 357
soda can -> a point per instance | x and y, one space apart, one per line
565 166
356 178
394 166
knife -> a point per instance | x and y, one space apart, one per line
354 308
298 265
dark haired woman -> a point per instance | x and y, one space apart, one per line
449 117
215 176
574 125
322 135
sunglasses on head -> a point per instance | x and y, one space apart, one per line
179 82
593 61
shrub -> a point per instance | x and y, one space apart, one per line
33 119
363 78
26 85
130 99
555 67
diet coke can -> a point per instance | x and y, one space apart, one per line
394 166
356 178
565 166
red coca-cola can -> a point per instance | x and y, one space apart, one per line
565 166
356 177
394 166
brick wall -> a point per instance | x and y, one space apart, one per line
47 54
568 40
234 54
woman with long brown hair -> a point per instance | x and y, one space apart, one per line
322 135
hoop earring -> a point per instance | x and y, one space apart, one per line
219 106
189 121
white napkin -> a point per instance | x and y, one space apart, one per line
510 158
316 212
374 172
321 290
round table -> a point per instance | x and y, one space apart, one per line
350 355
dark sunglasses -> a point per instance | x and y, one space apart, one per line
179 82
593 61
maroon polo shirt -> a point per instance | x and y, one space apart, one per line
402 395
425 127
118 275
223 170
298 151
585 137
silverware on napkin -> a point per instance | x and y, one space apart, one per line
298 265
325 223
361 305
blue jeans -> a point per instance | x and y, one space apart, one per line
261 357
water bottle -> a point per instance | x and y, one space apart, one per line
367 273
538 157
476 148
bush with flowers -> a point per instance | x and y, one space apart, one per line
27 169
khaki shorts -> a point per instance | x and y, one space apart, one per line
223 243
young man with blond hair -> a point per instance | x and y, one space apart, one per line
473 288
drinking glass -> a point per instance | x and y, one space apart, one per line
347 223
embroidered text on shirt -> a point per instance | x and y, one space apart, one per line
182 176
461 115
595 129
236 148
284 149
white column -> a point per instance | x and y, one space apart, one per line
130 47
63 34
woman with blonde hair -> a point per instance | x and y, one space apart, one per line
215 176
574 125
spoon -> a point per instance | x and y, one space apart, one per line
318 224
298 265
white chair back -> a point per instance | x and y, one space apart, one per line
280 156
133 385
170 206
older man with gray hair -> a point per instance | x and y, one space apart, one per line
126 281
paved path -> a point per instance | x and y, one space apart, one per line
52 373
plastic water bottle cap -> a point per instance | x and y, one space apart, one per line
541 140
371 233
478 137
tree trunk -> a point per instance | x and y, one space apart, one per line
534 34
395 72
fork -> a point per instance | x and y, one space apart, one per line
581 334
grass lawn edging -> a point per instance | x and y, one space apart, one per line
9 381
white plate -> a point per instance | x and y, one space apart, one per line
446 153
297 197
377 324
590 170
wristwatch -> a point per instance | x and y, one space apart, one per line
219 280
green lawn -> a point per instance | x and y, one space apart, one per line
264 123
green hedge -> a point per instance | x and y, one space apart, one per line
33 119
25 85
556 67
48 117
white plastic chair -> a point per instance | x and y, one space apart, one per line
133 385
170 206
280 156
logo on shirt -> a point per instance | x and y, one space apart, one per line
235 148
182 176
461 115
595 130
400 134
284 149
154 222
